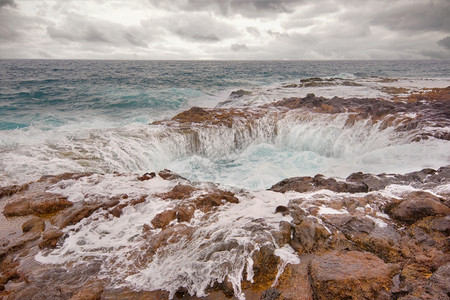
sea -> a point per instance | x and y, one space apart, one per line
102 117
61 116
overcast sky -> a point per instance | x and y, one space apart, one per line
225 29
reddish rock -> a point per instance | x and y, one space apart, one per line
78 212
185 213
12 189
147 176
169 175
50 238
265 267
318 182
90 291
163 219
35 223
206 202
350 274
52 179
418 205
179 192
309 236
40 204
294 283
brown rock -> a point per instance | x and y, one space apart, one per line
350 275
281 209
75 214
180 191
163 219
265 266
169 175
147 176
417 206
441 224
294 283
206 202
185 213
12 189
309 236
40 204
438 286
50 238
318 182
34 223
91 291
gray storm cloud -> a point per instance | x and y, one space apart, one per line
226 29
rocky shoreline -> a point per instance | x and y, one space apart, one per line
383 236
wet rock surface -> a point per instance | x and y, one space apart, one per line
365 245
367 236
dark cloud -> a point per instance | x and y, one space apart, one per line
79 29
248 8
239 47
11 3
196 27
445 42
414 15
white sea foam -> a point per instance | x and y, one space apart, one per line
219 246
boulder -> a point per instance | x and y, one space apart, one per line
38 204
350 275
318 182
35 223
418 205
50 237
309 236
163 219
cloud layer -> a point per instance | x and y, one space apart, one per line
225 29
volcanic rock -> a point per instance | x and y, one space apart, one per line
350 275
418 205
40 204
163 219
35 223
50 238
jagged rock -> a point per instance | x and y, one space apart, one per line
216 198
50 238
318 182
239 94
91 291
350 224
441 224
438 286
281 209
416 206
40 204
147 176
35 223
75 214
265 264
350 275
163 219
271 294
12 189
185 213
309 235
52 179
180 191
294 283
169 175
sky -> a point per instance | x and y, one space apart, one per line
225 29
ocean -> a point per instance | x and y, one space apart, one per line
93 116
232 130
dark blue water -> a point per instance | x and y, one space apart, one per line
52 93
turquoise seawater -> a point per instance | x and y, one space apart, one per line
73 116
